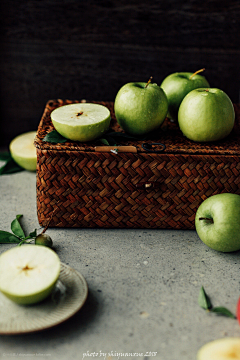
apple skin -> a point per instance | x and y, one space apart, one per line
140 109
223 232
176 86
206 114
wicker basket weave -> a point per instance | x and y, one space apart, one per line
78 186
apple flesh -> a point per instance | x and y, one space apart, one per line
140 107
220 349
23 151
176 86
28 273
206 115
81 121
217 222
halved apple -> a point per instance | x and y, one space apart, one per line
28 273
23 150
220 349
81 121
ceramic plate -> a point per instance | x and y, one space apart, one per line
67 298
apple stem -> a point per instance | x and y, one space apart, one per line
149 81
208 219
196 72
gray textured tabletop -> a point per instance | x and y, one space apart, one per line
143 289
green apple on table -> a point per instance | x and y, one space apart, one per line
177 85
23 151
206 114
28 273
140 107
221 349
81 121
217 222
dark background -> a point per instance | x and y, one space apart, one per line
73 49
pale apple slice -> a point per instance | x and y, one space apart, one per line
23 150
221 349
28 273
81 121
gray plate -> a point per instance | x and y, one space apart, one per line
67 298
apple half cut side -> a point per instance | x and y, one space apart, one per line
28 273
220 349
23 151
82 121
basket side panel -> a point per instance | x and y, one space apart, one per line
76 189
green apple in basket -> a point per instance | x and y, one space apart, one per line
206 114
23 151
140 107
217 222
177 85
227 348
81 121
28 273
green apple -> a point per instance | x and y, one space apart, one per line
217 222
140 107
81 121
221 349
44 240
23 151
176 86
206 114
28 273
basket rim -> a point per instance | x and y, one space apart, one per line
171 137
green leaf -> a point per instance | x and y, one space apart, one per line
5 155
32 234
104 141
203 300
10 167
223 311
54 137
6 238
17 228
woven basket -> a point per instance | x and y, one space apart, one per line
78 186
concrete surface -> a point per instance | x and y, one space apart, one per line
143 289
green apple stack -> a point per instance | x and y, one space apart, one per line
140 107
176 86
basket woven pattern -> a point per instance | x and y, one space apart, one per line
78 187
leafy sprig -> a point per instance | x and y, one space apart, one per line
205 303
17 236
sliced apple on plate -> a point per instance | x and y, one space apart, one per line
28 273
